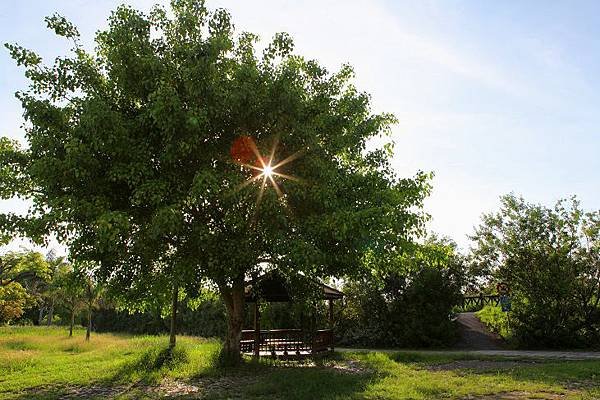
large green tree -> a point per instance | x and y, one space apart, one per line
550 257
134 157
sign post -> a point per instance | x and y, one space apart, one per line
504 292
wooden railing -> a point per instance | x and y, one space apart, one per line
286 342
479 301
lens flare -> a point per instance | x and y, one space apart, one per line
266 170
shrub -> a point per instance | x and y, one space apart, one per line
495 319
410 306
13 301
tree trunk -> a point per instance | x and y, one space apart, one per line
175 299
234 302
41 315
72 322
89 324
50 313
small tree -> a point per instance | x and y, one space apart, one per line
70 290
154 294
85 284
57 266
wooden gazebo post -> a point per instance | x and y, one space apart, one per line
330 301
256 329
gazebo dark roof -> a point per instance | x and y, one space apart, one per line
272 287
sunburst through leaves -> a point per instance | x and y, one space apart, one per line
265 168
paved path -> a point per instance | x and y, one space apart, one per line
541 354
475 335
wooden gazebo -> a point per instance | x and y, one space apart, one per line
286 343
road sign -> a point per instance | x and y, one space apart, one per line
503 288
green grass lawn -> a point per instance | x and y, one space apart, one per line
45 363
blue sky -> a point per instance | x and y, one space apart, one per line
493 96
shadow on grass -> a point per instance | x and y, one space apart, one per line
142 372
319 378
147 368
581 376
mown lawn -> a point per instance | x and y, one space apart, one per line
44 363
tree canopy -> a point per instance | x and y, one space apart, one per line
130 161
18 272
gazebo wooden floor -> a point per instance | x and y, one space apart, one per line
286 343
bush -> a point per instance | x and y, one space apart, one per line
410 306
13 300
496 320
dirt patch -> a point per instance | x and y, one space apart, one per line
83 392
478 365
351 367
518 396
177 389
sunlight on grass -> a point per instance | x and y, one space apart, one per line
46 363
37 357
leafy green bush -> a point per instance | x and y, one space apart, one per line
410 306
204 318
496 320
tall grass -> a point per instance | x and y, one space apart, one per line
33 356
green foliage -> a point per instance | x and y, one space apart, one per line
22 266
13 301
205 318
21 273
550 259
408 306
68 286
496 320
